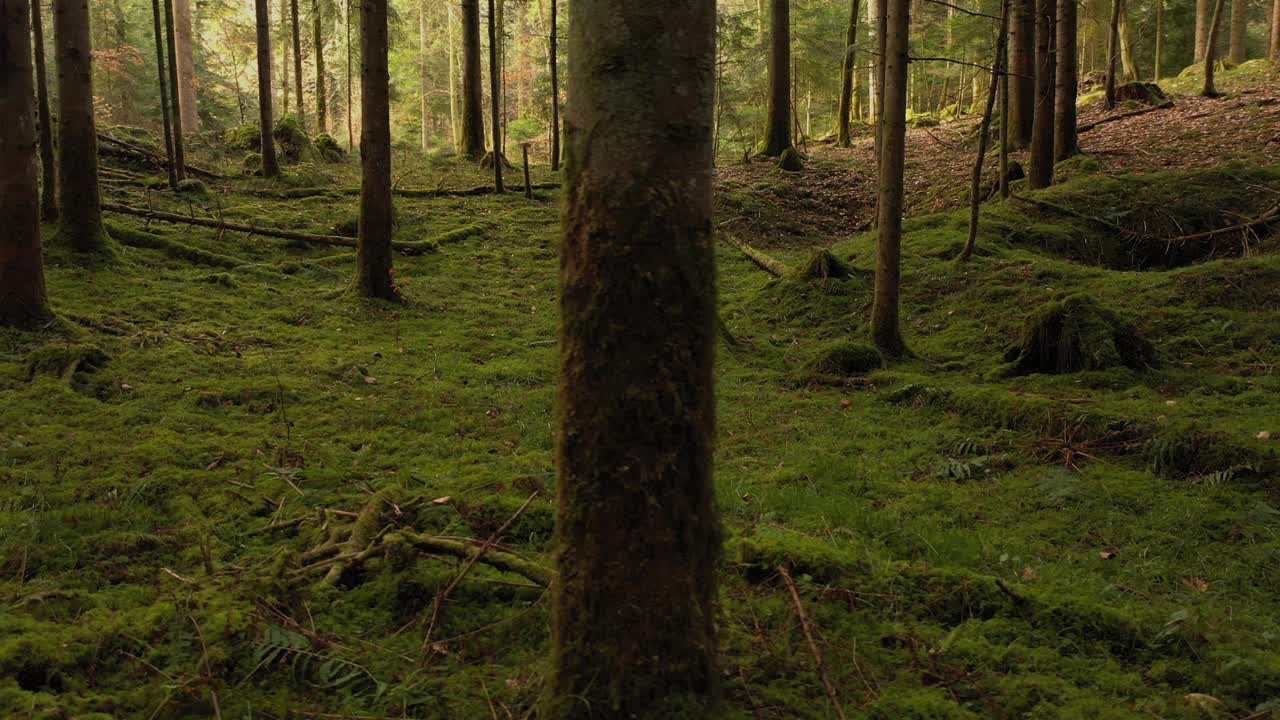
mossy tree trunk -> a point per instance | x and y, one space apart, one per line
317 41
639 538
1065 141
81 214
163 84
178 163
885 331
24 302
1211 50
185 62
296 29
843 137
48 155
778 131
1022 64
373 251
495 93
1239 51
1040 172
472 95
270 164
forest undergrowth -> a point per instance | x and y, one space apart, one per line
232 489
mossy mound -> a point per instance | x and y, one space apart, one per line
1143 92
251 164
822 266
486 162
843 360
924 121
328 149
791 160
1076 334
191 186
243 137
291 139
61 360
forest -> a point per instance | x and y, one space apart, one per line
639 359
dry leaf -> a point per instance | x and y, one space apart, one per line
1196 583
1029 573
371 381
1264 435
1202 699
442 500
1171 403
846 404
1107 554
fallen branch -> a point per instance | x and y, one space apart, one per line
761 260
1121 116
128 149
1073 213
813 646
363 532
1266 218
335 240
299 193
142 239
496 559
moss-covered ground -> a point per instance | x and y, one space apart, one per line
967 542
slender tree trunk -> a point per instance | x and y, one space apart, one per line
270 165
297 61
1128 59
495 91
1239 51
885 332
633 624
48 154
876 30
1068 81
322 93
24 301
1004 117
843 137
500 137
1211 50
1275 34
473 146
1203 20
1156 73
1022 85
81 212
778 132
455 121
555 89
882 39
164 93
1040 172
286 87
186 65
975 190
373 251
179 164
351 111
1113 53
424 78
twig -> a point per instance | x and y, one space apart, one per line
813 646
208 671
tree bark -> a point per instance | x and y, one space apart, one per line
322 99
1211 50
555 89
79 196
495 92
1113 53
163 78
1203 20
1022 83
1239 51
473 145
1040 172
24 301
1065 142
297 62
1159 61
1128 59
1275 34
351 137
778 132
373 253
455 122
975 188
633 623
186 65
270 165
424 78
885 331
48 154
286 86
843 137
179 163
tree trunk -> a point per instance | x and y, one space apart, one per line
882 39
81 213
844 139
1275 34
286 86
1004 116
1239 32
297 61
885 332
24 301
186 65
455 121
1040 172
495 91
1211 50
179 164
876 30
1128 59
270 165
424 78
1203 19
778 130
1113 53
373 253
555 90
1068 70
1022 84
48 155
1156 71
351 137
317 41
984 134
633 621
473 146
158 24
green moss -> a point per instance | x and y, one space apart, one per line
1076 334
133 237
844 360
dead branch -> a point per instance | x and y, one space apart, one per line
127 149
1266 218
764 262
1121 116
813 646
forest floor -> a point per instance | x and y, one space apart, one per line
967 541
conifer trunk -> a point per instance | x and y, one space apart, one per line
1274 53
297 62
455 122
1113 54
179 162
1065 141
322 99
163 84
81 213
424 79
885 331
843 136
1022 64
1203 20
495 92
373 251
351 137
473 146
778 132
1159 61
555 88
1239 51
1040 173
270 165
633 623
48 155
186 65
1211 50
24 301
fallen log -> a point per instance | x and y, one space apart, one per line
128 149
334 240
299 193
1132 113
761 260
